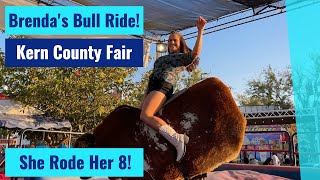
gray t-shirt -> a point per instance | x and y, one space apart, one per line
169 67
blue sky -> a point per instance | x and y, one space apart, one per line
238 54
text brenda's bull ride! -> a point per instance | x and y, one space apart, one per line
111 20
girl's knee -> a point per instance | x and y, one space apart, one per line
144 117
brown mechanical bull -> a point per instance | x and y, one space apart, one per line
206 112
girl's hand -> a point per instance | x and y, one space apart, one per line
201 22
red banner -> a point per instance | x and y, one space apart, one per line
4 97
5 141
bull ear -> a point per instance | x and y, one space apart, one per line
85 141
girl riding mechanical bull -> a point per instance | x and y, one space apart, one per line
161 82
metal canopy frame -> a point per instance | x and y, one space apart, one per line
250 15
48 131
270 114
283 116
257 10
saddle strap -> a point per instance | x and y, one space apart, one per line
184 171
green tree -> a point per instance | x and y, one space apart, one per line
139 89
189 79
82 95
3 133
307 90
307 102
270 88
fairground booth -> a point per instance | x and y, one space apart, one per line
269 130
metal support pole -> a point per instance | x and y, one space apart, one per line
48 131
69 144
294 150
8 138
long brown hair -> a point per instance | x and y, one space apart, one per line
185 49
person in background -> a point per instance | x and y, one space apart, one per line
245 155
268 161
275 159
286 159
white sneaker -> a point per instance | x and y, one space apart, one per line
179 141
